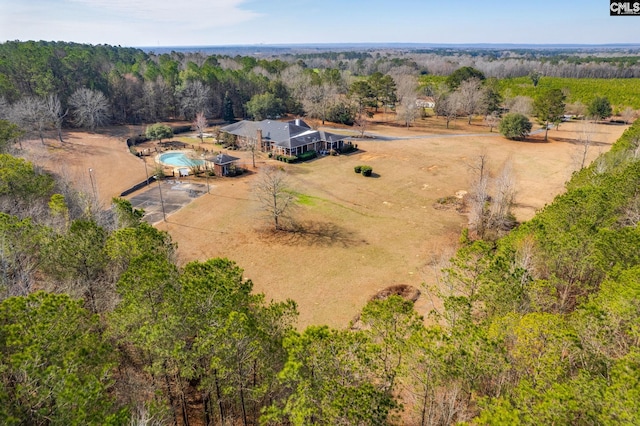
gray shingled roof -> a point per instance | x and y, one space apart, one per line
290 134
222 159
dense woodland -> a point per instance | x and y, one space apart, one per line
49 85
99 325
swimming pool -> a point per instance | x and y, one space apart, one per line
179 159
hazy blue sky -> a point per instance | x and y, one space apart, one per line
223 22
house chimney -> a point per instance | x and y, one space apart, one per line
259 138
297 122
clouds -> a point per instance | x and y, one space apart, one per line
202 13
124 22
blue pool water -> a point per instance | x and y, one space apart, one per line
179 159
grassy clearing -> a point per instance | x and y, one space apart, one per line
356 236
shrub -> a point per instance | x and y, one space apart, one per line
270 155
515 126
357 169
305 156
366 170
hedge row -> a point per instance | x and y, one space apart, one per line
286 158
293 159
309 155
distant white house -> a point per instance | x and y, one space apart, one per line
425 102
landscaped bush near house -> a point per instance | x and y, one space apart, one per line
305 156
357 169
348 148
366 170
286 158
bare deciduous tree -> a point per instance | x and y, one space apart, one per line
406 91
503 198
199 125
628 114
450 107
490 200
471 97
31 115
157 98
577 108
251 145
361 121
406 83
492 120
585 136
56 115
272 191
631 213
478 195
318 98
194 97
90 108
408 111
520 104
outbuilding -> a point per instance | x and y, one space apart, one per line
223 164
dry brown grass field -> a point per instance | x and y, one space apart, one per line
357 235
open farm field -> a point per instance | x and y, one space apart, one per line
621 92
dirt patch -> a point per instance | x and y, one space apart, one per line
407 292
90 160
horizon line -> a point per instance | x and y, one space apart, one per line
395 43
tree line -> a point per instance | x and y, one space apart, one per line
48 85
45 86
